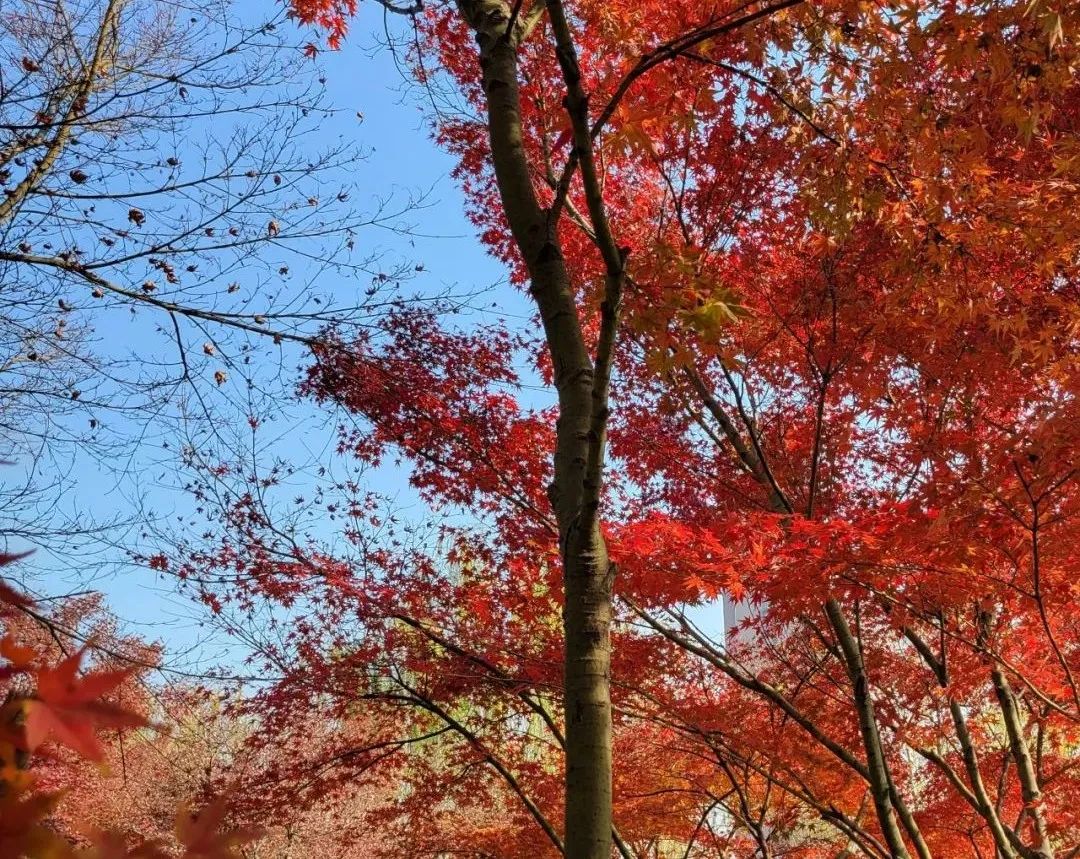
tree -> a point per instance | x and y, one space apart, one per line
159 179
581 375
127 756
829 252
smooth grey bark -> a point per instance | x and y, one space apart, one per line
579 450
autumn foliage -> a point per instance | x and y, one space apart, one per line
841 324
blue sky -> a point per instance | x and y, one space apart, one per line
377 109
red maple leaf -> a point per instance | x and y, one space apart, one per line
70 708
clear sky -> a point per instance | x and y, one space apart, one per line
376 108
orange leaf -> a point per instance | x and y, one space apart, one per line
68 708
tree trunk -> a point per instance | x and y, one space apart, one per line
586 623
579 443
